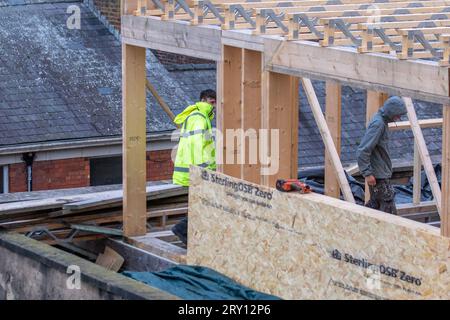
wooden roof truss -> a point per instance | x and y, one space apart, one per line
407 29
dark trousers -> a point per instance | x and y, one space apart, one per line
180 230
382 197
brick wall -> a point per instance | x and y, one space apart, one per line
74 173
47 175
110 9
60 174
17 177
159 165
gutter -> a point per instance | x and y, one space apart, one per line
77 143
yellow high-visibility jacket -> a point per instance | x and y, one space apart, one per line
196 144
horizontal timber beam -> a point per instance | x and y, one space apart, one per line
172 36
423 80
425 123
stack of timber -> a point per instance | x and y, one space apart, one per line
88 216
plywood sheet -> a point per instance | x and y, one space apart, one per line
311 246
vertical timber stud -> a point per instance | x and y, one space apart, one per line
251 114
445 214
134 141
231 109
219 114
280 112
374 102
333 118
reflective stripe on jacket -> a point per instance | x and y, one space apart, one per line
196 144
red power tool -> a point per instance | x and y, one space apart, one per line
292 185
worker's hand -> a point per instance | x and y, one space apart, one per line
371 181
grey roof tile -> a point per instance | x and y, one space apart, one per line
67 84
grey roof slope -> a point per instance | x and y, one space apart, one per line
311 148
57 83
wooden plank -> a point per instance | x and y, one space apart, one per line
327 140
279 151
423 123
100 218
94 201
160 100
423 152
251 113
333 119
110 260
134 140
97 229
407 208
445 211
310 246
375 101
231 110
137 259
159 247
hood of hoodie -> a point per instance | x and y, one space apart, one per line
394 106
203 107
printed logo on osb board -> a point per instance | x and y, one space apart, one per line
239 190
378 281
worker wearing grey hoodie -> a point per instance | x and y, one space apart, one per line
374 161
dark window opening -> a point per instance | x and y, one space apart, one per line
104 171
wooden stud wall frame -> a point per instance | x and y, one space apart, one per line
264 50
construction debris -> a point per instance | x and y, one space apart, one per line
90 216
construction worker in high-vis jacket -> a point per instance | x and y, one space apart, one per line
196 146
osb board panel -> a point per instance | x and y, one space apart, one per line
311 246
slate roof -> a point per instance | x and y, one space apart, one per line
311 148
58 84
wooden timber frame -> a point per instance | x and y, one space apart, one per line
258 74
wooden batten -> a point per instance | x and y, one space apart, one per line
445 208
333 118
327 139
